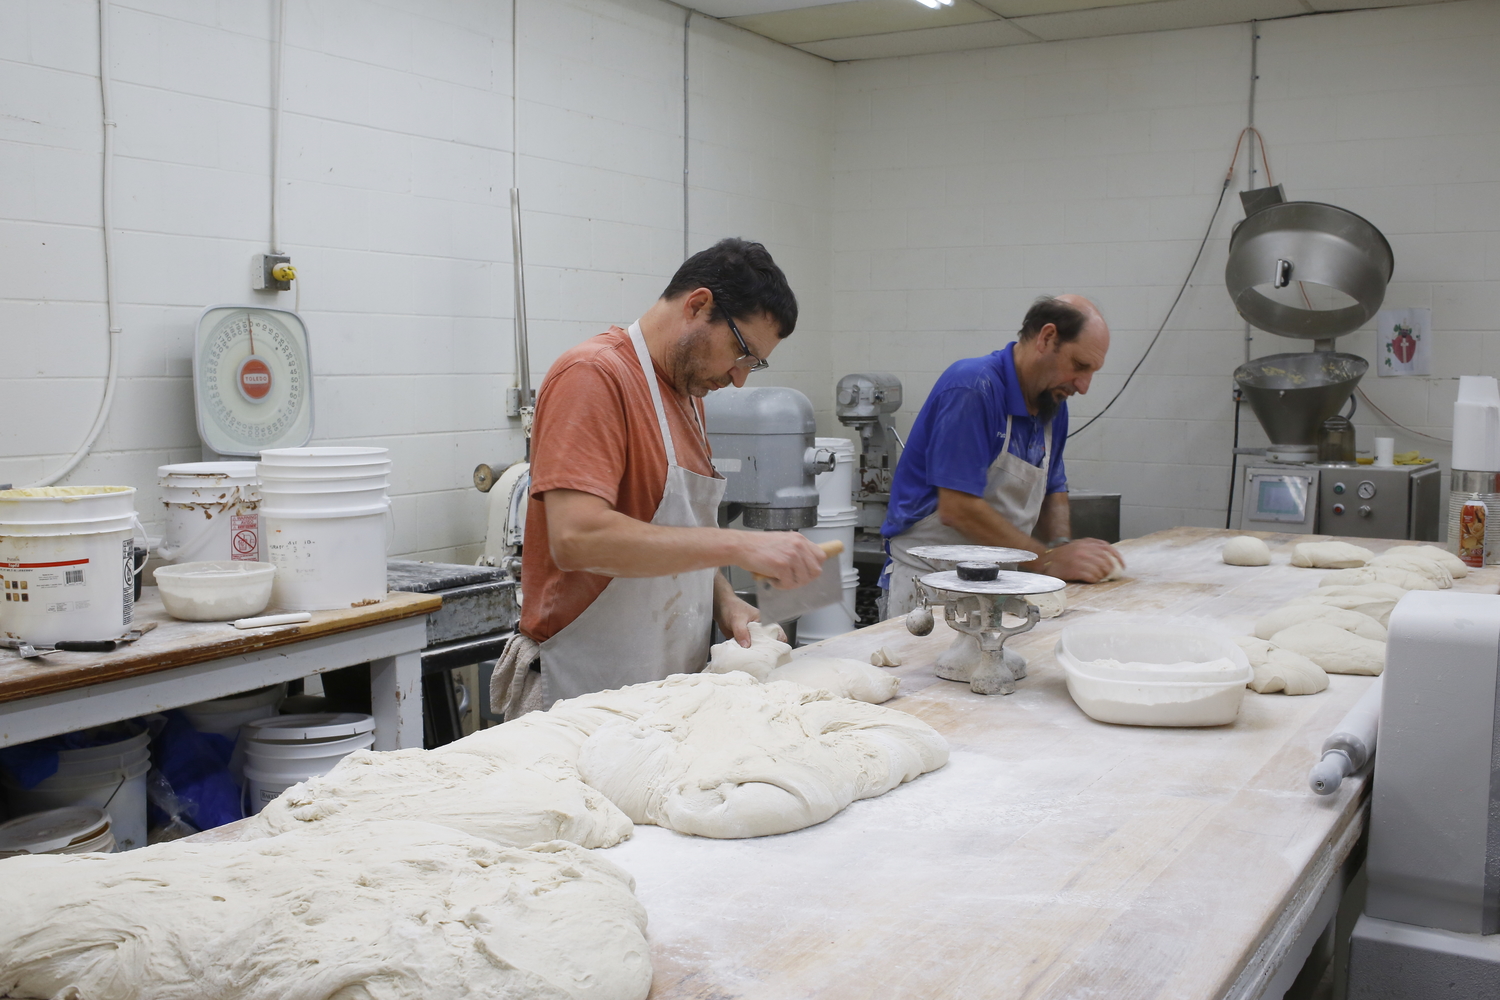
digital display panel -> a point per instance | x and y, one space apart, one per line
1278 496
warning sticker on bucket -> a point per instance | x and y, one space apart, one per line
244 537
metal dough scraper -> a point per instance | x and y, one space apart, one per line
778 605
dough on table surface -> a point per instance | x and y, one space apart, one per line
1114 574
1289 672
1330 555
841 678
1455 565
1378 608
486 796
1295 614
1247 550
766 653
409 911
1257 650
1403 578
728 757
885 656
1333 649
1417 562
1053 604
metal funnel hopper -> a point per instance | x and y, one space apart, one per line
1292 394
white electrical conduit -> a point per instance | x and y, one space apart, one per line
276 128
107 222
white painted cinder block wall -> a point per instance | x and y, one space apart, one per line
967 184
396 165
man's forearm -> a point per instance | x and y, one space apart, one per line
980 523
614 544
1056 520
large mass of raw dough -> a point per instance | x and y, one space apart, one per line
1330 555
1455 565
486 796
728 757
1295 614
1395 576
1418 562
1278 669
1332 648
767 652
1247 550
406 911
841 678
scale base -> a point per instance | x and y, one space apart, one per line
985 671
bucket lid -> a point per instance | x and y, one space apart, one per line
53 830
313 726
63 492
216 471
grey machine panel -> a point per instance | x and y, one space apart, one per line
1281 498
1369 502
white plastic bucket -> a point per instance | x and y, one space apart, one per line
836 488
70 830
346 484
211 511
67 567
281 751
327 559
324 456
270 470
225 716
339 500
111 777
836 619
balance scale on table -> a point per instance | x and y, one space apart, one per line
252 381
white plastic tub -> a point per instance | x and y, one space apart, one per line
327 559
211 511
345 484
276 502
324 456
364 470
218 591
1153 675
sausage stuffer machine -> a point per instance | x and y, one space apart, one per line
975 597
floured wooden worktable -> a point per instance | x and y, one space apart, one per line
1054 856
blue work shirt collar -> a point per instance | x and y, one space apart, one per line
1005 363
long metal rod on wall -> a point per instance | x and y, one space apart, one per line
524 404
687 23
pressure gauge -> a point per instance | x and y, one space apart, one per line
252 381
1366 490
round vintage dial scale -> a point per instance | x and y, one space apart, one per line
252 381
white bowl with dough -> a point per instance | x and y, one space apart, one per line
1153 675
215 591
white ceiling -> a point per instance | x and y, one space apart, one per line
844 30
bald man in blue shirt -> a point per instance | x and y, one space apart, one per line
983 464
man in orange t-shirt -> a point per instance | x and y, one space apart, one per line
622 548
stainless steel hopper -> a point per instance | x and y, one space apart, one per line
1292 394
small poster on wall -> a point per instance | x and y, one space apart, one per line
1403 341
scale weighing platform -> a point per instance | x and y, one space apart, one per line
1337 498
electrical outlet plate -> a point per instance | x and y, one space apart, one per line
261 266
513 401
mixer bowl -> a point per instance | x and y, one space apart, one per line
1292 394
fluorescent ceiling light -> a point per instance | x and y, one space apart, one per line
935 4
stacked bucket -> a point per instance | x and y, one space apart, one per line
836 520
212 512
325 521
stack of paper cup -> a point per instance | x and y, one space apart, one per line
1385 452
325 520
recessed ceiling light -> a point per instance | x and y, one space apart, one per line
935 4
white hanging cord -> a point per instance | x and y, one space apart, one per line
107 224
276 127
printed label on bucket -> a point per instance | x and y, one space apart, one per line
244 537
44 583
128 562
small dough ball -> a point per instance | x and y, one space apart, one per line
1330 555
1417 562
1247 550
1257 650
765 654
1050 605
1114 574
885 657
1456 566
1333 649
1295 614
1403 578
841 678
1289 672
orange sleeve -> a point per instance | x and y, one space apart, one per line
578 440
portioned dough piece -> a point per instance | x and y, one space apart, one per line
1417 562
1290 672
1333 649
840 678
409 911
1456 566
1377 608
1053 604
1295 614
766 653
1403 578
885 657
727 757
1114 574
509 805
1247 550
1330 555
1257 650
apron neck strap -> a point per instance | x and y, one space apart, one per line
1046 438
644 357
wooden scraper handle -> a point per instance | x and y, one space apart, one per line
830 549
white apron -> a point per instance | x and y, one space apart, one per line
642 629
1013 487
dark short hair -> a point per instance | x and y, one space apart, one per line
744 279
1069 320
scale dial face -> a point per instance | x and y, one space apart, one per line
252 380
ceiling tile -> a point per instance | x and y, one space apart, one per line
1340 5
859 17
1024 8
1163 15
955 38
742 8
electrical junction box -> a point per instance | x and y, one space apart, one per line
262 278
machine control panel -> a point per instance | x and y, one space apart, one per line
1366 490
1284 497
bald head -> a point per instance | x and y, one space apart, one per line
1070 315
1062 343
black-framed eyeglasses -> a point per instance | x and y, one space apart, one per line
756 364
